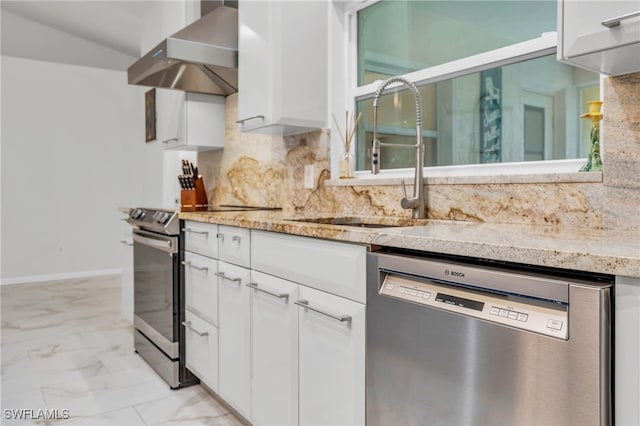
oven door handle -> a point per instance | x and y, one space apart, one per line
159 243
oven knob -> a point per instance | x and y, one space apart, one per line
165 218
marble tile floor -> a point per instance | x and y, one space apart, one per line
65 346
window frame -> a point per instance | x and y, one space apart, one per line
546 44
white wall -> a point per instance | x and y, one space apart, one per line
73 150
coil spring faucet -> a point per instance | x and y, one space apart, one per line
418 201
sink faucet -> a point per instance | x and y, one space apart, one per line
418 201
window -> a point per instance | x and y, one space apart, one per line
491 87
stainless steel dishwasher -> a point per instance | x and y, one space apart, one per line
460 343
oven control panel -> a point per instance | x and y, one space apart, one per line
541 317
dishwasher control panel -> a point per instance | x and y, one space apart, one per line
541 317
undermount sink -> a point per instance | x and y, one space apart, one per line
364 221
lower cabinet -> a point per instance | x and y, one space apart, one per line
234 336
274 350
331 359
281 348
201 340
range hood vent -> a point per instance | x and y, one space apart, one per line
201 58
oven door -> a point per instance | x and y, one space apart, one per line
156 289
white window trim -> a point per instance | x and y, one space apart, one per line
546 44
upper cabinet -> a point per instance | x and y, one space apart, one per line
282 66
190 121
602 35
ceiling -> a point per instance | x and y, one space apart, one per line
114 24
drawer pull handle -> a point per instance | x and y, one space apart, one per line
220 236
249 118
170 140
615 22
126 243
193 231
187 324
278 295
199 268
224 277
341 318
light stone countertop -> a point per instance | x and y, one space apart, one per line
602 251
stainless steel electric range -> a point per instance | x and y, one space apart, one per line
158 304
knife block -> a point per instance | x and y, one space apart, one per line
193 200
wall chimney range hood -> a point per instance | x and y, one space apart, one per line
201 58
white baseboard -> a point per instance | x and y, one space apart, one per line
64 276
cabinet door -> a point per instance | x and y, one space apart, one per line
203 122
201 286
331 359
274 350
585 41
234 336
201 349
170 117
282 72
254 64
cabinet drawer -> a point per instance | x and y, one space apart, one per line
234 245
201 238
334 267
201 348
201 286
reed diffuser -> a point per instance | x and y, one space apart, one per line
346 164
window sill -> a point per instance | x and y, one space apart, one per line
556 171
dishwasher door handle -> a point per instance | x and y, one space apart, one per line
341 318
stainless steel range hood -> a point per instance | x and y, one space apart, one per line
202 57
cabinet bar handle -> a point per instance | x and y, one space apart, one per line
614 22
126 243
190 265
193 231
278 295
235 238
170 140
250 118
341 318
224 277
188 325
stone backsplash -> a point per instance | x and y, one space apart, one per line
262 170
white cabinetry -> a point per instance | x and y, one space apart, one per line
274 350
337 268
627 351
332 359
282 66
126 280
201 341
234 336
190 121
331 328
586 41
201 301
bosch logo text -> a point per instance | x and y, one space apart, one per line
453 273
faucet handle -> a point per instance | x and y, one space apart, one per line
404 189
